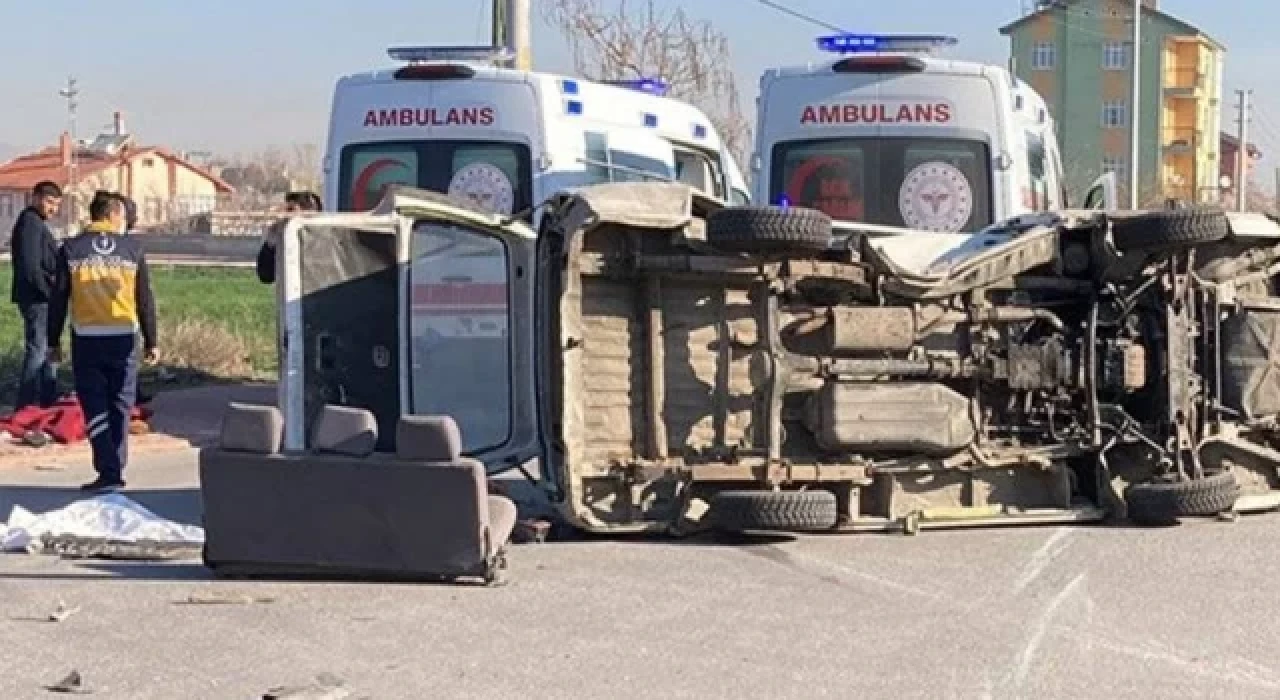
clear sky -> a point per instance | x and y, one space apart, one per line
235 75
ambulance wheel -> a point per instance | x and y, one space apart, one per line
1169 228
769 230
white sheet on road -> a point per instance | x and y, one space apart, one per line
110 517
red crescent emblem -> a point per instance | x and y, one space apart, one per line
360 187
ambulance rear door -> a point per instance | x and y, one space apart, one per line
470 132
891 140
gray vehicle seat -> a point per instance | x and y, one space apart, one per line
344 511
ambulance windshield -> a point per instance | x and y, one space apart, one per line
932 184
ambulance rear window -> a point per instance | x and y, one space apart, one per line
923 183
493 175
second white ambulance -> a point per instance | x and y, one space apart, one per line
890 135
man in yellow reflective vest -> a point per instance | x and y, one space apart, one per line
103 284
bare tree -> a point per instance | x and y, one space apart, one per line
620 40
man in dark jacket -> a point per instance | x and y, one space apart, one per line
294 202
35 253
130 215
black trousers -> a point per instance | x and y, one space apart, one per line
106 373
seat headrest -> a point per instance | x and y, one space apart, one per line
345 431
252 429
428 438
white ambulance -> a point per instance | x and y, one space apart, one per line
890 135
450 120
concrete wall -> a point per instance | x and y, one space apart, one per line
243 248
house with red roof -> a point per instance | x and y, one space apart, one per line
162 183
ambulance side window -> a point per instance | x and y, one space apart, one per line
698 171
606 164
597 154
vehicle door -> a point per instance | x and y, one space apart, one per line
423 309
468 295
339 321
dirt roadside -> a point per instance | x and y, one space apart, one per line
184 419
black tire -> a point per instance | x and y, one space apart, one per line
769 230
1170 228
1166 502
782 511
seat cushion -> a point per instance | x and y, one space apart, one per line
377 517
428 439
252 429
345 431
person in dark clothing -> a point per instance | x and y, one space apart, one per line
103 284
293 202
34 251
130 215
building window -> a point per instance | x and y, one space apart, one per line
1114 165
1115 55
1114 115
1043 56
148 162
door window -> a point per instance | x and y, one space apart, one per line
922 183
492 175
374 168
460 342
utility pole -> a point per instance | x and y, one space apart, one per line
1242 150
70 93
512 29
1135 153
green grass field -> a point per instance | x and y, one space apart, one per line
215 323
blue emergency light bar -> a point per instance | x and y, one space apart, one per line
653 86
469 54
884 43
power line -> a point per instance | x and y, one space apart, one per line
802 16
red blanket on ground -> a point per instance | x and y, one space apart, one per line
63 421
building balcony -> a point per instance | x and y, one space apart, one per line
1186 83
1182 140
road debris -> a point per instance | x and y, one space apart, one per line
326 687
72 684
530 531
70 547
62 612
220 598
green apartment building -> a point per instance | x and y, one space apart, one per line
1078 55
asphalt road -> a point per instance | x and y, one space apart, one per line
1186 612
